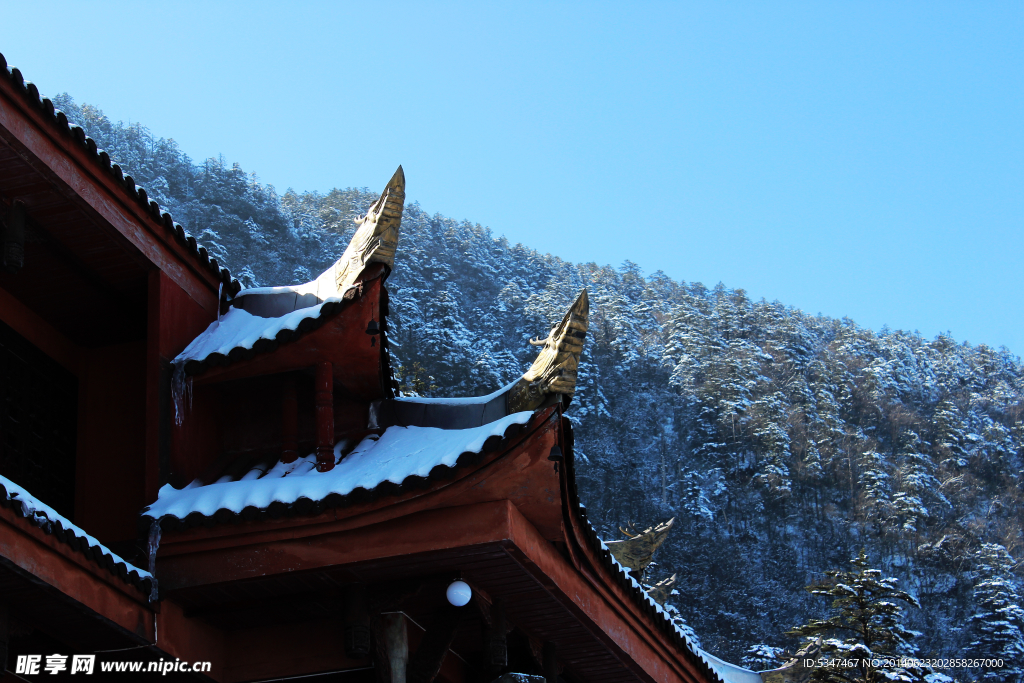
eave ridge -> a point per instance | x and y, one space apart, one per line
28 507
504 434
59 122
618 574
300 323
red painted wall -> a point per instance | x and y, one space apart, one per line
111 440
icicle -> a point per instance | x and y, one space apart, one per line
220 293
181 392
154 544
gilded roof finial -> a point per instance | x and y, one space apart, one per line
660 591
554 370
637 551
377 237
374 242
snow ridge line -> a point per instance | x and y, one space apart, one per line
25 505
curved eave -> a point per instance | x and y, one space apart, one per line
59 123
265 346
306 507
579 526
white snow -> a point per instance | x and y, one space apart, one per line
241 329
33 507
730 673
401 452
469 400
324 286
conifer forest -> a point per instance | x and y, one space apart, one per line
784 443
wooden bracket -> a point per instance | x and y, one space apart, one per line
289 420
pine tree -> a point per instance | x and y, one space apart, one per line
763 657
864 627
998 625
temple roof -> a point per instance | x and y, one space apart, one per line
25 505
260 319
239 334
401 456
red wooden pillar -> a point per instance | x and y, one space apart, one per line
324 399
289 421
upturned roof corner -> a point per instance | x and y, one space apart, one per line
375 241
554 370
637 551
377 237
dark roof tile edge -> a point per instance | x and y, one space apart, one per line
307 507
660 618
263 345
60 122
78 543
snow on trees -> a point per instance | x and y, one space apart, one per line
780 440
864 631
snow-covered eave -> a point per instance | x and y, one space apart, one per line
240 335
729 673
362 476
620 575
27 506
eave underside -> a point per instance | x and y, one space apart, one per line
490 545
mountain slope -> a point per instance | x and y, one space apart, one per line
784 442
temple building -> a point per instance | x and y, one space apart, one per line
224 483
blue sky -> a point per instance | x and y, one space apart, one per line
855 159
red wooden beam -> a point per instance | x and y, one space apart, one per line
50 561
39 332
174 320
115 604
324 400
619 620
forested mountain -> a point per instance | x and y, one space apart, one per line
783 442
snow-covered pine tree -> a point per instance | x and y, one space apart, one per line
864 628
763 657
998 625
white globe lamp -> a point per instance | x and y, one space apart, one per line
459 593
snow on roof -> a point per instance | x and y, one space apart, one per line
400 453
453 401
240 329
46 517
730 673
324 287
